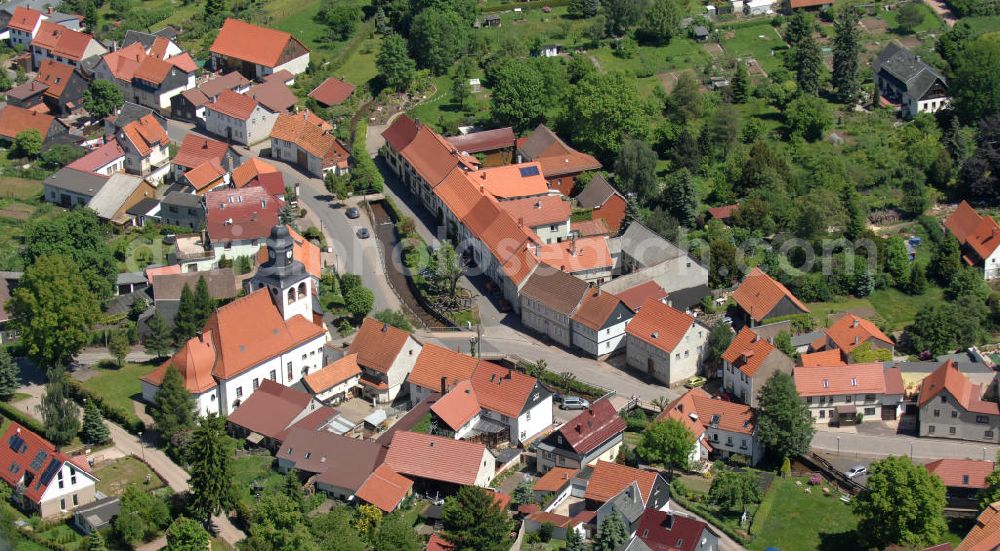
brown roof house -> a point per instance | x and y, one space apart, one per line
606 202
549 299
439 463
979 236
760 297
438 369
963 479
839 394
53 41
721 428
747 364
385 489
850 332
951 406
65 87
386 355
665 343
338 465
239 118
14 120
599 323
336 380
266 416
257 52
190 104
560 163
332 91
594 434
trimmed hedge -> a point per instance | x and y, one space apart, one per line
704 513
128 420
505 6
18 416
763 511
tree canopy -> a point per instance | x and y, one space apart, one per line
784 423
80 236
603 110
473 520
903 504
668 442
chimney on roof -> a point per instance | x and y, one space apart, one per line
538 204
855 322
520 222
385 327
578 427
444 385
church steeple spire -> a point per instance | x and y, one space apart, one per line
284 276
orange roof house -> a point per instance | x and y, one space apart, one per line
749 362
979 237
850 332
295 133
438 369
825 358
761 297
195 150
144 135
385 489
513 181
250 169
609 479
961 473
459 408
332 91
14 120
985 534
719 426
326 382
386 355
69 45
588 258
664 342
559 162
440 459
26 20
257 51
947 388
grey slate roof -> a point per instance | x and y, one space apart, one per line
221 284
555 289
133 111
915 74
113 195
143 207
540 139
181 199
628 503
83 183
597 192
647 247
132 36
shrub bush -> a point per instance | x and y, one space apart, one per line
128 420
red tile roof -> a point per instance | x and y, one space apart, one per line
556 479
333 374
378 344
261 45
503 390
659 325
103 155
539 211
14 120
948 377
636 296
123 62
251 169
299 129
431 157
436 457
184 62
609 479
696 410
145 133
961 473
62 41
596 308
577 255
457 407
869 378
509 181
759 294
825 358
438 543
240 214
980 233
231 104
436 363
486 140
306 252
588 228
795 4
985 535
554 155
593 427
332 91
195 362
400 133
24 19
723 212
197 149
557 520
385 488
850 331
747 351
153 70
56 76
666 531
271 409
24 453
207 173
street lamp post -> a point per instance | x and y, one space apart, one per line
142 448
911 451
838 446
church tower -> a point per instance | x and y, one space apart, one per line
284 277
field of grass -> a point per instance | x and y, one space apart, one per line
983 24
359 68
929 23
116 475
896 308
118 386
254 468
20 204
760 41
801 521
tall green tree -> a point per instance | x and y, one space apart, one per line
635 169
946 261
141 517
359 301
278 524
976 85
917 283
517 96
909 16
203 300
661 21
188 320
897 259
857 221
681 198
54 311
784 424
735 491
94 430
333 530
574 541
95 541
605 108
438 37
783 342
724 269
187 534
806 60
103 98
80 236
10 375
215 12
394 63
119 346
808 116
173 407
903 504
800 26
212 472
668 442
396 534
583 8
719 338
622 15
740 86
159 339
473 520
28 143
991 493
612 535
846 49
59 414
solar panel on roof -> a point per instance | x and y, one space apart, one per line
528 171
16 443
36 463
50 472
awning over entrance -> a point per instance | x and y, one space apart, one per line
845 409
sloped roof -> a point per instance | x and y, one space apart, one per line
62 41
205 174
401 132
869 378
221 283
153 69
24 453
378 344
436 457
667 531
112 196
229 103
915 74
985 534
144 133
948 377
196 149
183 62
698 411
385 488
436 363
659 325
577 255
274 95
297 128
609 479
124 61
458 193
458 406
850 331
247 42
250 169
554 155
725 211
508 181
240 214
14 120
505 390
333 374
56 76
24 19
104 154
597 192
486 140
195 362
759 294
83 183
228 81
555 289
592 427
825 358
647 247
336 460
332 91
635 297
980 233
430 155
961 473
271 409
748 351
596 308
555 479
537 211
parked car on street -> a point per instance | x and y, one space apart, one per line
353 213
856 471
363 233
574 402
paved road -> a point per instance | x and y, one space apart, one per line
863 445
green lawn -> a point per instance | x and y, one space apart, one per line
116 475
929 23
801 521
118 386
983 24
760 41
254 468
359 68
896 308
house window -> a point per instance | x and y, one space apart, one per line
809 399
76 500
951 430
729 440
954 413
289 371
239 392
62 504
937 413
274 375
930 429
965 479
72 476
869 397
848 398
944 399
982 419
743 444
988 434
822 414
60 478
869 411
256 383
527 417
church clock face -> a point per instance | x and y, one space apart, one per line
270 255
288 255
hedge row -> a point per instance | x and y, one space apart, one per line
48 544
507 6
18 416
763 511
128 420
362 162
704 513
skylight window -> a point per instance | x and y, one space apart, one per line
527 171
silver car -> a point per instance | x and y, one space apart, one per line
574 402
856 471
